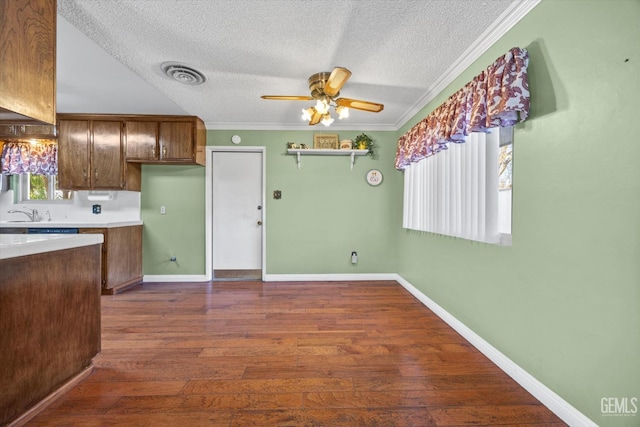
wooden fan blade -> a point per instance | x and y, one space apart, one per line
287 98
315 119
336 80
357 104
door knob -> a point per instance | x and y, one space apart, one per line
259 222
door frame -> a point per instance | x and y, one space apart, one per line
209 204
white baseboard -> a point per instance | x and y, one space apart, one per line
328 277
277 277
175 278
548 397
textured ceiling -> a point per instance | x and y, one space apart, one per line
400 52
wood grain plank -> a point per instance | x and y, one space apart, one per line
398 417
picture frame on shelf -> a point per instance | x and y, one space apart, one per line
346 144
325 141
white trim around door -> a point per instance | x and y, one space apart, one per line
209 205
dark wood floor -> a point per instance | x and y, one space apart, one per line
287 354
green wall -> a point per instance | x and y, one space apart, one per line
326 211
564 301
180 231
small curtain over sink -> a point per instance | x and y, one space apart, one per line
21 157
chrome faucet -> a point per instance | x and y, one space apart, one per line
32 214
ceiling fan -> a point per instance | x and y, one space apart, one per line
325 89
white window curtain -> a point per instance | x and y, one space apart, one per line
455 192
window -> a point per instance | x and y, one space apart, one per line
33 166
505 183
39 187
465 190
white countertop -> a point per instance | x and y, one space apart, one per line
67 224
15 245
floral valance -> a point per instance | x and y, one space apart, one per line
22 157
497 97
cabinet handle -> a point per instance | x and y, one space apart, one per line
164 151
153 152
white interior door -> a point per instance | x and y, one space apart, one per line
237 211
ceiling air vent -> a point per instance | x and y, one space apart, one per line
183 73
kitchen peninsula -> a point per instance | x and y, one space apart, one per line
50 316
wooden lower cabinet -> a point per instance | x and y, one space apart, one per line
50 317
121 257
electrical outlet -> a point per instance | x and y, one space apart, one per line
354 257
163 210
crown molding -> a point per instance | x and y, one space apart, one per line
509 18
357 127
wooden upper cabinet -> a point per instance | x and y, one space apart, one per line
106 155
177 141
141 140
165 139
90 155
28 60
74 143
106 151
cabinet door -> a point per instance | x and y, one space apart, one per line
141 140
124 258
121 256
105 245
176 141
28 51
73 154
106 161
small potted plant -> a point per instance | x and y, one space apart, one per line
363 142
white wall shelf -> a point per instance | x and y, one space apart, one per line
299 152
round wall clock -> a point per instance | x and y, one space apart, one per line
236 139
374 177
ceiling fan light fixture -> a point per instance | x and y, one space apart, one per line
183 73
322 106
343 112
307 113
325 88
326 119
